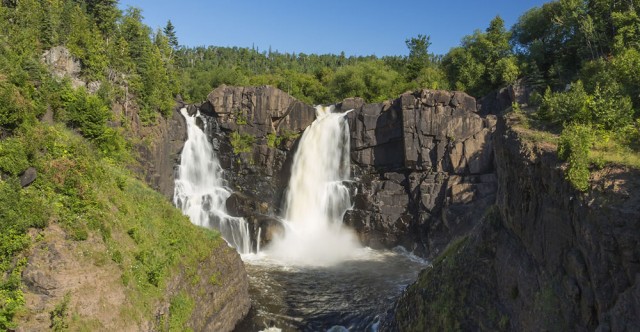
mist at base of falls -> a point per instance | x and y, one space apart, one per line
317 197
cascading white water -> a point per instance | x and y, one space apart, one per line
199 191
317 197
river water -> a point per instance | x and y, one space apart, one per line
351 295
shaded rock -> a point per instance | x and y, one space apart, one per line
159 158
28 176
425 138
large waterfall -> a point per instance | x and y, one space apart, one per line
317 197
199 190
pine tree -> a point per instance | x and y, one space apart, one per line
105 13
170 32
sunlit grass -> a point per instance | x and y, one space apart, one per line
611 152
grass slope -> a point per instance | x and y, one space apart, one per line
90 198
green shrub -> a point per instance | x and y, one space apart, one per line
59 314
13 156
575 142
242 142
565 107
15 108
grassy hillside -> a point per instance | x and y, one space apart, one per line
91 199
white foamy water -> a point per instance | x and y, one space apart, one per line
317 197
199 190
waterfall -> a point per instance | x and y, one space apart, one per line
317 197
199 190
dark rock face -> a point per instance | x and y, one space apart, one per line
581 250
552 259
265 123
422 164
161 153
254 131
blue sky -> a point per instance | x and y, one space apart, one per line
357 27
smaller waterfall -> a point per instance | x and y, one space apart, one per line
199 191
317 197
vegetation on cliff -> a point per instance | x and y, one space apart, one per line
82 184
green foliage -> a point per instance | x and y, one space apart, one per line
419 57
242 142
180 309
11 296
89 115
15 108
604 109
13 156
59 314
564 107
575 143
274 140
371 80
170 32
484 62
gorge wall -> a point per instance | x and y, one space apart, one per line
422 164
547 257
434 170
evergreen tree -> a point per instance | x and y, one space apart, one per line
169 31
105 13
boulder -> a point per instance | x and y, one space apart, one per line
28 176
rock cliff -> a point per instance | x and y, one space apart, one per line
548 258
422 163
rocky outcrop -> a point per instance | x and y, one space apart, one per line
159 152
28 176
62 64
254 130
422 165
220 291
79 277
552 258
579 250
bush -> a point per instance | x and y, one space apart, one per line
13 157
14 107
242 142
566 107
575 142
